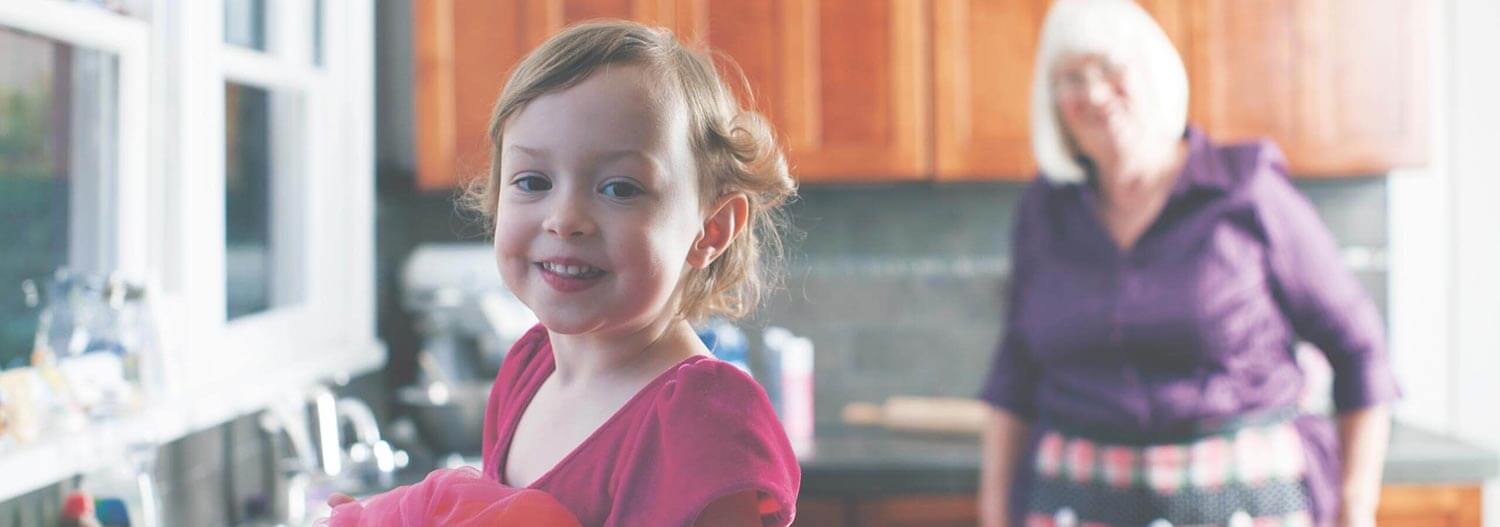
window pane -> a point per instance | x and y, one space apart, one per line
317 29
247 200
57 150
245 23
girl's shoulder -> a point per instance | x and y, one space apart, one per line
709 432
709 413
706 380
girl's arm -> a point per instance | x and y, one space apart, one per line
1363 434
1003 437
734 510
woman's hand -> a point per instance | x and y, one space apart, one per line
1363 435
1356 514
1004 436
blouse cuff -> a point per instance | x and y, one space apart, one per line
1006 397
1362 383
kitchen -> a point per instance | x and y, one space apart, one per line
906 124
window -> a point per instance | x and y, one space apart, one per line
218 151
59 161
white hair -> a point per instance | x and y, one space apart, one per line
1125 35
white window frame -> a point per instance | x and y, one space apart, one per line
330 330
117 237
166 226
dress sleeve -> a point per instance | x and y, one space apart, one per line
1320 296
1011 384
711 433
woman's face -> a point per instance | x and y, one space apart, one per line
1094 101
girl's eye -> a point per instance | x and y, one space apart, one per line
532 183
621 189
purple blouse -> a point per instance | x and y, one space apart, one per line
1197 322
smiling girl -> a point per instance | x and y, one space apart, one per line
631 195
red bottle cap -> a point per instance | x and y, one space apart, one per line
77 505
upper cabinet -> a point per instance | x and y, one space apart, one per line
464 51
982 56
890 90
845 82
1340 85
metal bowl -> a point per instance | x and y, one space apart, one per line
449 417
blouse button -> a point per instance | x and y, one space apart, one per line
1240 519
1065 517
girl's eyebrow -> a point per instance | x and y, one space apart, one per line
533 152
610 156
617 155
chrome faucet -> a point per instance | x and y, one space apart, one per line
369 449
317 464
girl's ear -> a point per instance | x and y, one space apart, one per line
725 221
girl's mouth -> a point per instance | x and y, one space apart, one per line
569 276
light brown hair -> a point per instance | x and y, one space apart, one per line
734 148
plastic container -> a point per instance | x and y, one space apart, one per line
796 365
727 343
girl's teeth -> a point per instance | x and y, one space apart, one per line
569 270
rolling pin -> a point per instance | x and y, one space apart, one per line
936 415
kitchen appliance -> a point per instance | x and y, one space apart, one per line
465 316
467 321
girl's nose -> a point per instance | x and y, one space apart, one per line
569 218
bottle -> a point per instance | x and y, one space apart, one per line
796 359
727 343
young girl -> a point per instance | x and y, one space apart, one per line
630 194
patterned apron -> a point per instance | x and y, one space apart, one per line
1248 476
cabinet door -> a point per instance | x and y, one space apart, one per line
464 51
1429 506
1243 57
920 511
845 82
983 56
1362 86
825 512
1340 85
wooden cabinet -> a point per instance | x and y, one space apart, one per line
1430 506
465 49
1400 506
883 90
824 513
1341 85
982 59
845 82
919 511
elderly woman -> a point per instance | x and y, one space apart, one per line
1161 283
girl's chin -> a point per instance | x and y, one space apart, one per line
570 323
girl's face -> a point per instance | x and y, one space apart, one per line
1094 101
598 208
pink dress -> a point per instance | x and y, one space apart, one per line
454 498
699 431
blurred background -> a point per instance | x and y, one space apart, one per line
234 279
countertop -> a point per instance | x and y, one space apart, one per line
868 462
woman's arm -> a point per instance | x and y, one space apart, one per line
1328 307
1363 434
1003 438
